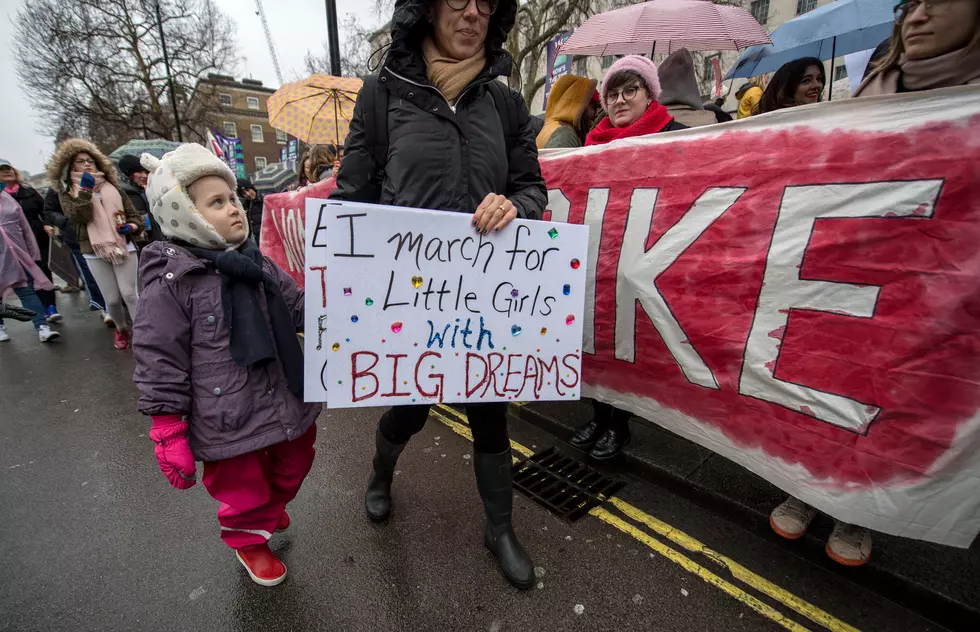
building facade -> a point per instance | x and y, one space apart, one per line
237 109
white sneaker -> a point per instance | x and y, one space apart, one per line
792 518
46 334
107 319
4 337
849 544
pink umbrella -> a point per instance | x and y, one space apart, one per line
663 26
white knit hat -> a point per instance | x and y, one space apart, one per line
171 206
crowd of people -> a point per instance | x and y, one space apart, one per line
167 251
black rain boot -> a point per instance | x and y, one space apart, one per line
493 479
377 500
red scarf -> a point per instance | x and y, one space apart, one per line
653 120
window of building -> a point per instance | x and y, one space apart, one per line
224 99
760 10
582 66
231 130
259 163
253 103
805 6
608 61
258 135
281 137
840 72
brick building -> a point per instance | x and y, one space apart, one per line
237 109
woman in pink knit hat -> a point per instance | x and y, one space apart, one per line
629 95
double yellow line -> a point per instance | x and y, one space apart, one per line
457 422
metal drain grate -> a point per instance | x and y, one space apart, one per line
565 486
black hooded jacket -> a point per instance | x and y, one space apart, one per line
440 157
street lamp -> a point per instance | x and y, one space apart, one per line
333 38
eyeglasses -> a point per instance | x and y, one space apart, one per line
484 7
933 8
628 94
84 161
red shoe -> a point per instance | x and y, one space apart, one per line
121 340
262 565
284 522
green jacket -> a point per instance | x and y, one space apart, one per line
565 137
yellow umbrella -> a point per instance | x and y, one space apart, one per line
316 110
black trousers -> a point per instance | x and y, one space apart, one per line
47 296
488 423
608 417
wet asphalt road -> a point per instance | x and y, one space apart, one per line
93 538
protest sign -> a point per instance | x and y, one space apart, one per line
800 293
558 65
416 307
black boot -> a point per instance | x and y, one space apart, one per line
493 479
377 500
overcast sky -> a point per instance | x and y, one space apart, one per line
296 25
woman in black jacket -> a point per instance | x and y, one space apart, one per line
32 204
448 148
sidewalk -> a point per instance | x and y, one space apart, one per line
941 583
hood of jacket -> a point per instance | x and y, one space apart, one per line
678 83
60 163
409 27
569 98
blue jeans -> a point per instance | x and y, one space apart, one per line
29 299
95 299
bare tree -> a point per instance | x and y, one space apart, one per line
359 44
538 21
96 66
354 56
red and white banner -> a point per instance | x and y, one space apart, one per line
799 292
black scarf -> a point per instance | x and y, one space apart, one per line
251 343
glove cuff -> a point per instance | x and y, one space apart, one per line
168 427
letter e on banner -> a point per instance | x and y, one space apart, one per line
783 289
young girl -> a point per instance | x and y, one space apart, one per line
18 270
218 363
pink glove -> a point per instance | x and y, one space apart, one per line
173 452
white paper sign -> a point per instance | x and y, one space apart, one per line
408 306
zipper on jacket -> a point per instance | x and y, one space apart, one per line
438 91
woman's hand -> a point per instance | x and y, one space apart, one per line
51 231
336 168
494 214
87 182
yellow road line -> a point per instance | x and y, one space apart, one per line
457 421
445 414
738 571
696 569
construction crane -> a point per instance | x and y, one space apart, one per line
268 36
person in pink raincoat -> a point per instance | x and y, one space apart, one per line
18 270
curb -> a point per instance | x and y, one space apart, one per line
925 602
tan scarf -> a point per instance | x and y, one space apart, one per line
451 76
952 69
108 244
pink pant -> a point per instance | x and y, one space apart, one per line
253 488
